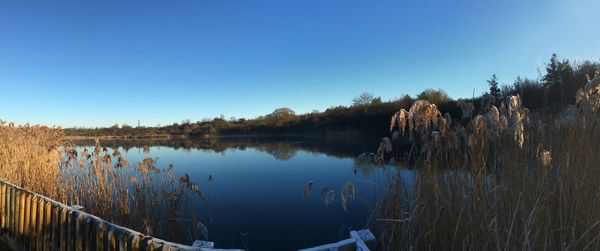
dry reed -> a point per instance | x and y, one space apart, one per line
529 187
30 156
143 197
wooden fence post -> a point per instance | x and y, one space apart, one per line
2 206
23 212
64 235
11 212
47 226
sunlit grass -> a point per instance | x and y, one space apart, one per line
30 157
141 196
534 185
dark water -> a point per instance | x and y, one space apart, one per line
255 199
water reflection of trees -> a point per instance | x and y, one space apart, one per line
281 147
281 151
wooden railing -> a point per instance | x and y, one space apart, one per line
29 221
361 240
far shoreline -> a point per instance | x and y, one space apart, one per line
224 135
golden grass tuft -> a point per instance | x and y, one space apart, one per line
30 156
347 194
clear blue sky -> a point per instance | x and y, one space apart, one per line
97 63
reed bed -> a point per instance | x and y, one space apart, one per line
141 196
30 156
533 184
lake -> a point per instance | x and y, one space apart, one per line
254 186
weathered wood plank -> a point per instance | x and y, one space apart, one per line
47 226
2 207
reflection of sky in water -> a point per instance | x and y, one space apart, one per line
256 200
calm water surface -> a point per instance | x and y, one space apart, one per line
255 198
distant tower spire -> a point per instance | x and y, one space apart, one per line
138 122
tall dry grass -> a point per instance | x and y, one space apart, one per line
141 196
30 156
533 186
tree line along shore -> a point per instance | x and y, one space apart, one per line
368 115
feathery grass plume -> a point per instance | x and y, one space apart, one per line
466 108
195 188
518 129
308 188
517 117
121 162
185 179
594 82
479 124
588 98
493 123
514 105
426 128
476 140
327 195
148 165
116 153
546 158
385 146
347 194
96 151
447 120
434 136
587 105
422 117
106 158
394 121
146 149
399 119
85 154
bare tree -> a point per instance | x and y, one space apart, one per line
365 98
